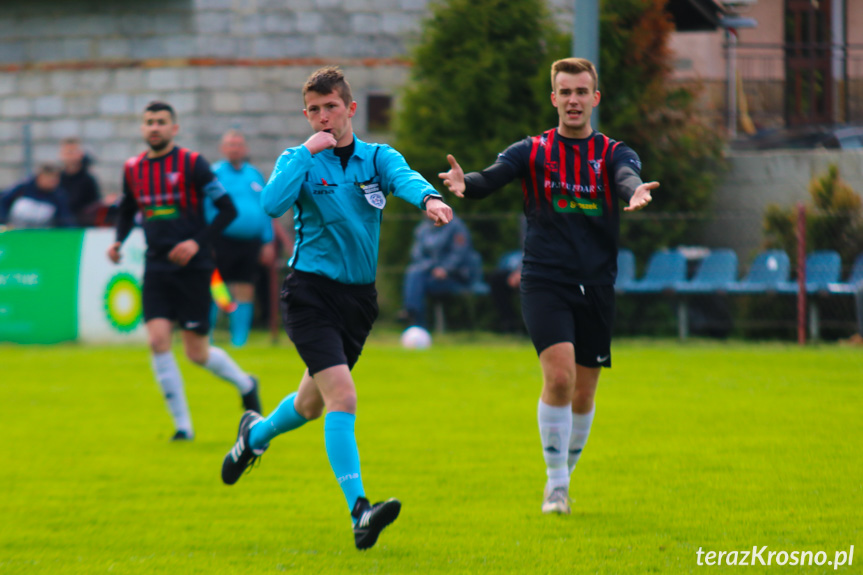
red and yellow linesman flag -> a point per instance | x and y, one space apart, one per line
220 292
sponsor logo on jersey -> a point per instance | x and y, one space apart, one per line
173 178
570 205
161 213
373 194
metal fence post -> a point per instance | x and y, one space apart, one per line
801 273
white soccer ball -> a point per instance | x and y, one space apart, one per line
416 337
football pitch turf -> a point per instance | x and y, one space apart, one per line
718 446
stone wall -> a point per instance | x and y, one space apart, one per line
88 67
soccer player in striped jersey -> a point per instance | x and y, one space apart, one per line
168 184
573 180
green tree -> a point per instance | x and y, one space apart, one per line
658 118
479 82
834 220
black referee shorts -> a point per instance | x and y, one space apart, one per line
181 295
328 321
583 315
237 260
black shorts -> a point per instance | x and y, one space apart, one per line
181 295
237 260
327 320
582 315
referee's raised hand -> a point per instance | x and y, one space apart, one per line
454 178
320 141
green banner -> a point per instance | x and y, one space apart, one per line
39 285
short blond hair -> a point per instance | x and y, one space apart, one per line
574 66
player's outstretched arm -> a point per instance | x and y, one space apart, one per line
641 197
454 178
438 212
125 221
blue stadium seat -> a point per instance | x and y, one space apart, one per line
854 282
715 273
625 270
664 269
769 269
822 269
510 260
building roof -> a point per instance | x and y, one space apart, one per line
695 15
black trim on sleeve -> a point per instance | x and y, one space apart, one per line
227 214
126 216
479 185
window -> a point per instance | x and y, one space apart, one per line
379 107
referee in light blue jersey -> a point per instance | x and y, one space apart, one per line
337 185
248 241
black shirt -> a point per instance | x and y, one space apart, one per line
571 203
169 193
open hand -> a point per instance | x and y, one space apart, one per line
641 197
454 178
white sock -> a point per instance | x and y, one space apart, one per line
171 382
581 423
555 426
221 364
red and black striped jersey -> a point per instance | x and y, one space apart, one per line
571 204
169 193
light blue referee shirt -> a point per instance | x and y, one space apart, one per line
244 186
337 213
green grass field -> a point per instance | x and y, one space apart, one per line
705 445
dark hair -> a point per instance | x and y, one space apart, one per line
573 66
159 106
48 168
325 80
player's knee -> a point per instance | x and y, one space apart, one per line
582 401
342 400
560 382
159 344
309 409
197 356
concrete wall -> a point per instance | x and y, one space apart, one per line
758 179
88 67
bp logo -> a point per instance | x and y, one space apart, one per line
123 302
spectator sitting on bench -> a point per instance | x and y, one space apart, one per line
82 189
504 283
443 261
39 202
